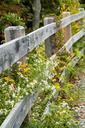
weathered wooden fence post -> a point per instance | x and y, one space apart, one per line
14 32
11 33
82 22
67 30
50 46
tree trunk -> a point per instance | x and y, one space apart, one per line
37 10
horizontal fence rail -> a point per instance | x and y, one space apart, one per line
64 74
19 112
14 50
74 39
68 45
72 18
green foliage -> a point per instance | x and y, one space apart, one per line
14 19
60 111
24 79
70 5
56 114
50 7
12 1
10 19
21 80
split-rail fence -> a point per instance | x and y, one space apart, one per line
15 49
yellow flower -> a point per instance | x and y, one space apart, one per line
58 86
71 99
22 65
9 79
24 68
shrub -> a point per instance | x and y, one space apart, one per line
10 19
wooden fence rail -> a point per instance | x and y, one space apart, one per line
19 112
14 50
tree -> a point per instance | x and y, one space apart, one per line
50 7
82 1
39 8
36 15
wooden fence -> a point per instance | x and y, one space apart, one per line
14 50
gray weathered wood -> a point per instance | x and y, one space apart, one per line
82 21
74 39
64 74
68 45
19 112
13 32
10 53
36 15
14 50
49 42
21 109
67 30
68 20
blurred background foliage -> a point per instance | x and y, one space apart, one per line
21 12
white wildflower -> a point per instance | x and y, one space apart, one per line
26 79
14 95
47 110
33 82
27 85
18 89
11 87
5 111
57 123
1 111
64 104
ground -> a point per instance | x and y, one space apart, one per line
81 83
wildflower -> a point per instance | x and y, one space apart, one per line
33 82
11 87
58 86
8 79
24 68
13 95
71 99
18 89
47 110
1 111
57 123
64 104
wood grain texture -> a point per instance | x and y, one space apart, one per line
21 109
14 50
68 20
73 62
74 39
68 45
13 32
50 47
67 30
19 112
